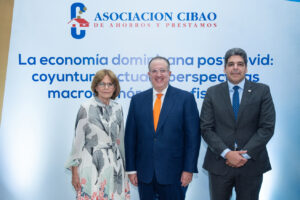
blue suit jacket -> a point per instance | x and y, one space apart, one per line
173 148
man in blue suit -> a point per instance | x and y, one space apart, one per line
162 149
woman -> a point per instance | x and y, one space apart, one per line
97 157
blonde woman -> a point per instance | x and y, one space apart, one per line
97 157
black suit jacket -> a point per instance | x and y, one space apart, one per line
252 130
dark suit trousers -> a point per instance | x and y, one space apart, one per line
246 187
154 191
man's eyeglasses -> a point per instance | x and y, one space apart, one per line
155 71
108 85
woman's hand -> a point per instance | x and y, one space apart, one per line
75 179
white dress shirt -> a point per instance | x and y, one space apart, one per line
231 91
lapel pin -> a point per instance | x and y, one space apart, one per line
249 91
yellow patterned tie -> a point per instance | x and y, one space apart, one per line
156 110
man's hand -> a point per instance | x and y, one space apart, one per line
186 178
235 158
133 179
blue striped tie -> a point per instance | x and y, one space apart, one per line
236 101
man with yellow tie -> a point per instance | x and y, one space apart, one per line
162 137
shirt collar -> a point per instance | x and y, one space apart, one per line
241 85
162 92
100 103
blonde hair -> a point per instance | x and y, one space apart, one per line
99 76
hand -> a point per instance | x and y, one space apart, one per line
133 179
76 181
235 159
186 178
